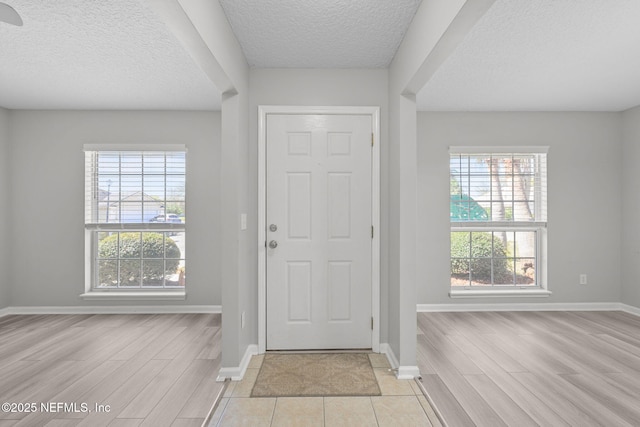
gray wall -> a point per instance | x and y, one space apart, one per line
47 234
5 251
586 184
312 87
631 207
584 191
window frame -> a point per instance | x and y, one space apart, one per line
92 229
537 225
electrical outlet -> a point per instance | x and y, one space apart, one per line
583 279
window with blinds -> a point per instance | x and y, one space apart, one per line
135 214
498 214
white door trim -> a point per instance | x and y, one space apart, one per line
263 111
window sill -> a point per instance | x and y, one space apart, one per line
472 293
135 296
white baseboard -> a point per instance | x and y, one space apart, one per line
116 309
580 306
630 309
402 372
385 349
236 373
408 372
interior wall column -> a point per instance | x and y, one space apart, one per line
229 239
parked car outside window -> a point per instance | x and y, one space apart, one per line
171 218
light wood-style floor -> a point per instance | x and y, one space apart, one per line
483 369
532 368
152 370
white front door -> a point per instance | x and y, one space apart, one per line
319 227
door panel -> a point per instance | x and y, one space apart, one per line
319 199
298 201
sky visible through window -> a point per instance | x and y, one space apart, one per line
462 167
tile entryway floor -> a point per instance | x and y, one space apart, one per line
401 404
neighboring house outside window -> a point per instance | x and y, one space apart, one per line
135 218
498 217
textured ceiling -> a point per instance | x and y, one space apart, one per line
544 55
319 34
523 55
79 54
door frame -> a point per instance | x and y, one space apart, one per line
263 112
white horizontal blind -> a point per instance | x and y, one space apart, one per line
133 187
509 188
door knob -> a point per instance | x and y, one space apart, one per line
273 244
273 227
